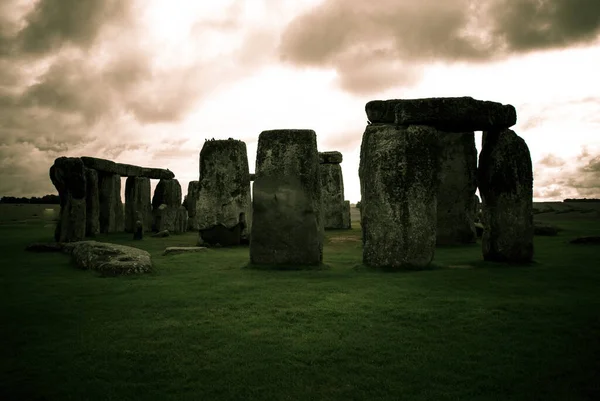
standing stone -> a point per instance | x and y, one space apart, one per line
288 227
458 182
399 180
137 203
181 222
92 203
347 222
111 206
138 233
165 203
224 205
68 176
332 185
191 205
505 178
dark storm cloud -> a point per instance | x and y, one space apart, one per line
431 30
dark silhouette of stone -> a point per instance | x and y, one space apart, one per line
347 220
68 176
287 226
175 250
92 226
161 234
191 205
591 240
181 222
458 182
137 203
111 207
138 232
126 170
331 157
505 180
224 193
456 114
399 181
252 176
332 187
165 205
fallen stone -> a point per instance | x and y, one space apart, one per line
68 176
399 181
137 204
92 199
173 250
224 198
456 114
126 170
591 240
111 206
542 229
287 227
191 205
505 179
109 259
458 182
161 234
332 157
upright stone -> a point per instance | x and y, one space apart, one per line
191 205
181 222
347 221
505 178
92 203
165 203
288 227
223 208
399 180
111 206
68 176
332 185
137 203
458 182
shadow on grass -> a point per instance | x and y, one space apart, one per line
282 267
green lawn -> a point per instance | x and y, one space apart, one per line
203 327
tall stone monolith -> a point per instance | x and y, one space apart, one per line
165 204
111 206
224 211
505 180
347 216
137 203
399 181
191 205
92 219
332 186
287 226
69 177
458 182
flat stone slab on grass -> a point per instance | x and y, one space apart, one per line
174 250
593 240
109 259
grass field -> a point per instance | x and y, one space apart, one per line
203 327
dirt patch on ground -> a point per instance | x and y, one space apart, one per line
344 239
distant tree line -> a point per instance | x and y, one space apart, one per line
44 200
582 200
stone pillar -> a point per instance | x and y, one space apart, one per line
111 206
137 203
399 178
92 226
224 212
332 186
458 182
505 179
191 205
68 176
347 216
165 204
287 226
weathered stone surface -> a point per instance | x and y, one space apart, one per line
458 182
137 203
287 224
191 205
399 181
505 180
174 250
332 157
181 222
165 218
347 222
252 176
92 203
126 170
165 204
332 188
224 196
109 259
111 207
68 176
456 114
138 234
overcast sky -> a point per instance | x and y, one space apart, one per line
147 81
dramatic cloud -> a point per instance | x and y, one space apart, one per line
350 35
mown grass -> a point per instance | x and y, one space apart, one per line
205 327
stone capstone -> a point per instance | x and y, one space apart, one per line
137 204
456 114
126 170
224 212
331 157
69 177
399 181
287 226
505 180
109 259
111 207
